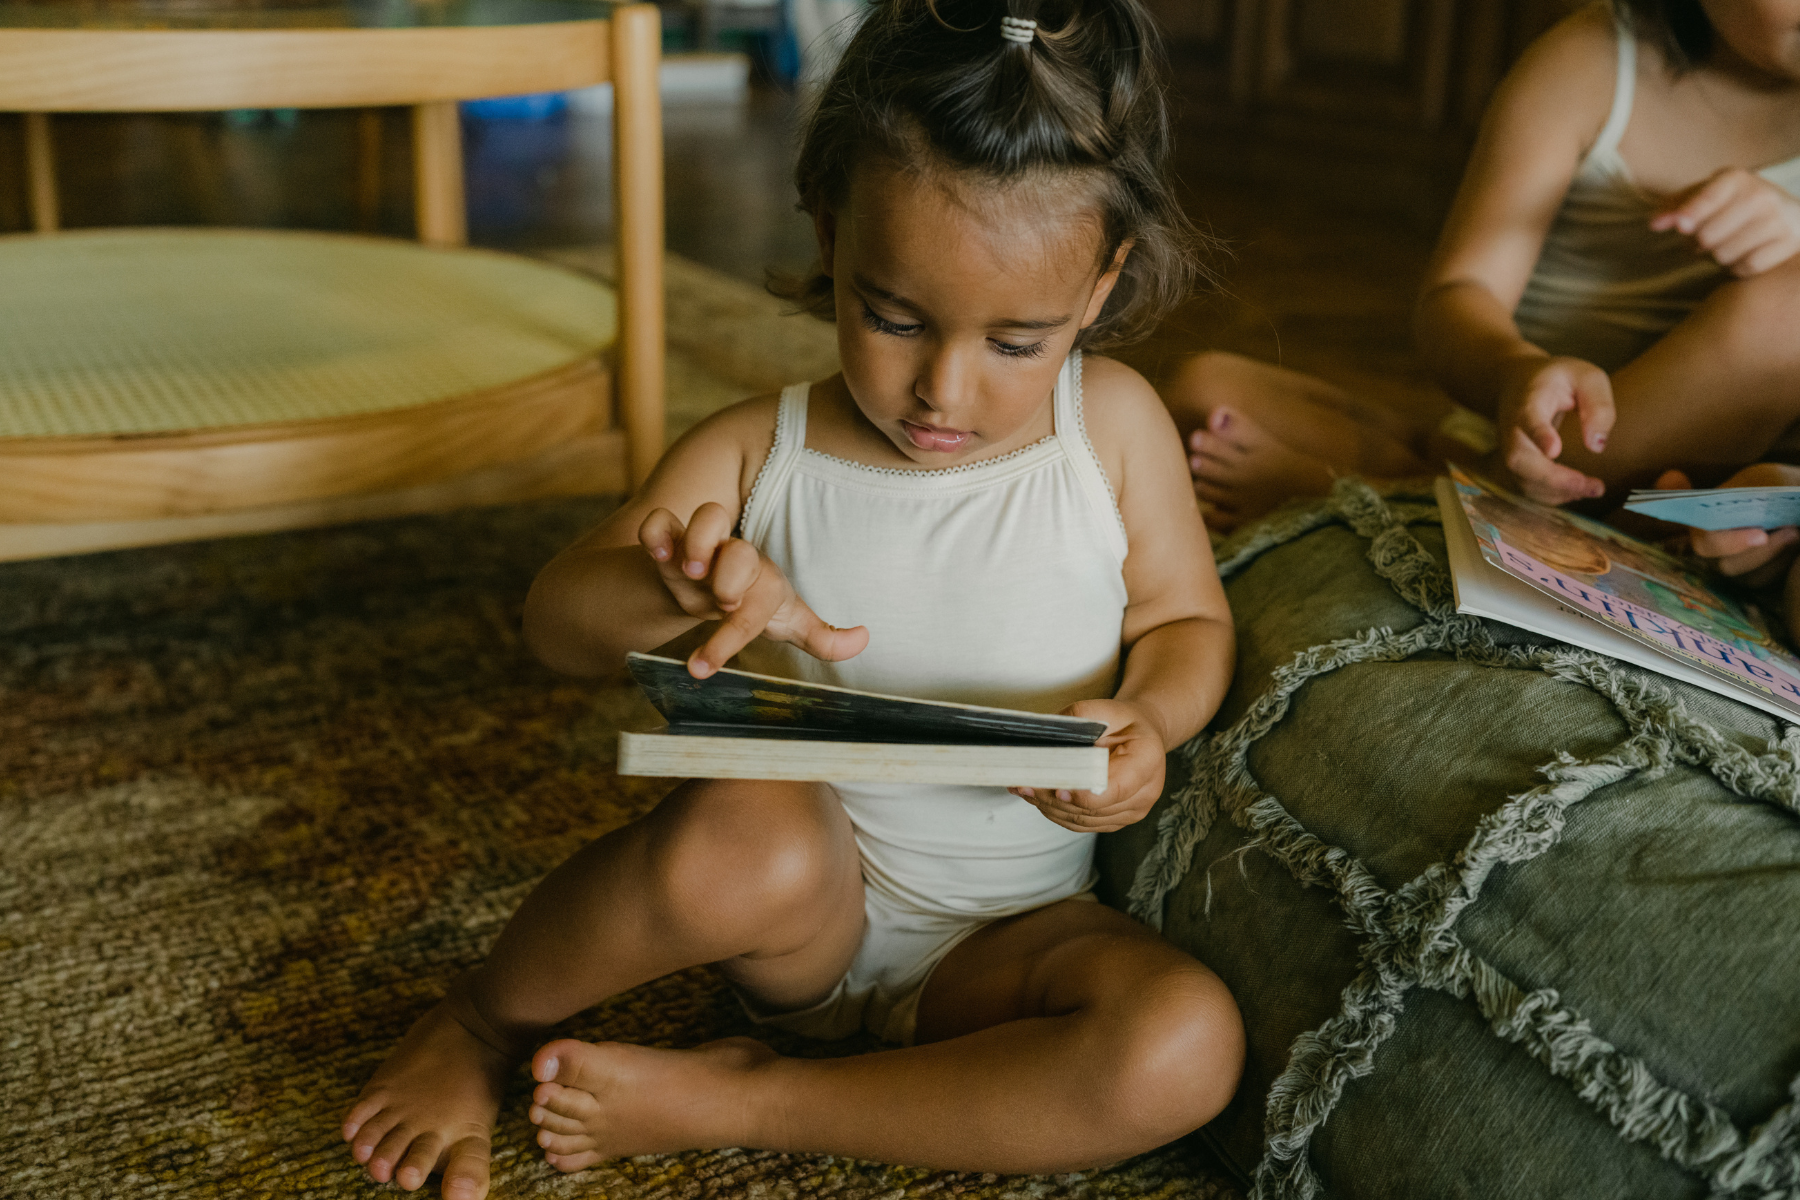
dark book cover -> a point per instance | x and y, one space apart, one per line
740 703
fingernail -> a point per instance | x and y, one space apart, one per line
659 553
1599 442
1028 793
696 569
550 1066
1062 795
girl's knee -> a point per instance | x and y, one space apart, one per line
754 847
1181 1053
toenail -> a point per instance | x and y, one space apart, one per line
550 1066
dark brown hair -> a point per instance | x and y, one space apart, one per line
930 83
1678 28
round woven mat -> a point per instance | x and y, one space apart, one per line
137 331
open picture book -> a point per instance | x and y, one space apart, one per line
739 725
1552 572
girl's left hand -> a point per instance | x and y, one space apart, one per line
1745 222
1134 772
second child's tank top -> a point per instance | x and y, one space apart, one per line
998 582
1606 287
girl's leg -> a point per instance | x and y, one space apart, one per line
762 878
1714 394
1062 1039
1258 434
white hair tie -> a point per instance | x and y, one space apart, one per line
1014 29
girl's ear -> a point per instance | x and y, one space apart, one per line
825 229
1103 286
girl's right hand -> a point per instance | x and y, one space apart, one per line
717 577
1537 392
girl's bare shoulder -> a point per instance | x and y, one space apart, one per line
1126 421
715 462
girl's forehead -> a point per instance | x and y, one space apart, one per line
1046 228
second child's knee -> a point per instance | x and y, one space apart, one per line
1209 378
748 848
1758 316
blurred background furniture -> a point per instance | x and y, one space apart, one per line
160 385
1365 103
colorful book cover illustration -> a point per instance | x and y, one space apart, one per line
1630 586
1721 508
744 704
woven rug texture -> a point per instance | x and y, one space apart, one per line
261 799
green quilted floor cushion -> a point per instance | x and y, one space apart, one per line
1505 918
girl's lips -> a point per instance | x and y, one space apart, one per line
929 437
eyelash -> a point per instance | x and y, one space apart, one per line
879 324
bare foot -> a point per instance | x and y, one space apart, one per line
1242 471
599 1101
430 1107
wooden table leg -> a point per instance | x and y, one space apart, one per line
40 173
368 169
438 174
638 193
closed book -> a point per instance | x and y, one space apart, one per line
741 725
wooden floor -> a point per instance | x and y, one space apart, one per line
1307 281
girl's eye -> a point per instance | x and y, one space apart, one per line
1034 350
882 325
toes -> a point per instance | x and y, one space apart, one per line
555 1122
563 1144
564 1101
572 1162
421 1157
369 1132
389 1152
466 1169
358 1114
570 1063
1212 493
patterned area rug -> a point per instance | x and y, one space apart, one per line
260 799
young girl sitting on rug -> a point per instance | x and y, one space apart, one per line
1612 253
999 519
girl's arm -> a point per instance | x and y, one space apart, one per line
667 561
1179 649
1545 115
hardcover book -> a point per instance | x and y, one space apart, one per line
1552 572
740 725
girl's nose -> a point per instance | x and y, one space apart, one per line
944 381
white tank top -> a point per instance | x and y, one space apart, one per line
1606 287
998 582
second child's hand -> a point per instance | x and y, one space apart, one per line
1756 556
1537 393
1134 772
717 577
1746 223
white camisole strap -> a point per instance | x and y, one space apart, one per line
1624 93
1071 431
790 440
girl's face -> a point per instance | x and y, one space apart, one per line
1764 34
956 305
